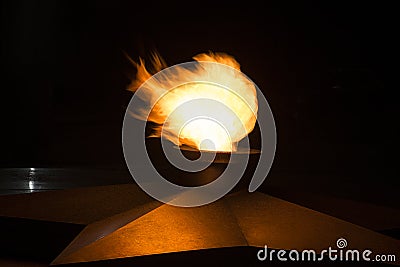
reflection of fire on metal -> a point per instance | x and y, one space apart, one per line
235 120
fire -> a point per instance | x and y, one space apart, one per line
222 116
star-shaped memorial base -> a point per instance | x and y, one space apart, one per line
119 225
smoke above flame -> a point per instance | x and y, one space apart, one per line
230 111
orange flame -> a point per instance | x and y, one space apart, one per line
202 134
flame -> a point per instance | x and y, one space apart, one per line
175 119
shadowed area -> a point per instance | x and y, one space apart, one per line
27 239
79 205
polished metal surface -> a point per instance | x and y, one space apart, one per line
33 179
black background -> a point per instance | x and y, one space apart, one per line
328 71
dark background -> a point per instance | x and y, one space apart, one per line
328 71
